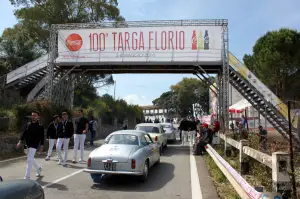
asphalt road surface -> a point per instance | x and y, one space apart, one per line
179 176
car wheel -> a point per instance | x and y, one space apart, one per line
96 178
144 177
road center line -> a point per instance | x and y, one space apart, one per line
61 179
195 183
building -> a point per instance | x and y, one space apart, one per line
152 112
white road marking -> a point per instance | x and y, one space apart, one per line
61 179
12 159
195 183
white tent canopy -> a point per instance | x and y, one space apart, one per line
240 105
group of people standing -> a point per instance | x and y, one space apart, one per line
197 134
59 132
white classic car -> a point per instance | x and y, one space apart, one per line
125 152
156 131
170 131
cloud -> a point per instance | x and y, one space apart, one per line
136 100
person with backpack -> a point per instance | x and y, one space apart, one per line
93 126
34 139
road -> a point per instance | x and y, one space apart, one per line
175 177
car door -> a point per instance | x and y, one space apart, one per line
154 147
165 138
148 150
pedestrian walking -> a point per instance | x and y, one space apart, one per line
82 126
33 135
52 135
64 135
93 127
184 127
193 130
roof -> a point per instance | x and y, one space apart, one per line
149 124
131 131
150 107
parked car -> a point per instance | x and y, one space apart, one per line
170 131
128 152
17 189
156 131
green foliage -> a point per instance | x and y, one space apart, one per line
3 113
108 109
224 188
277 53
183 95
46 109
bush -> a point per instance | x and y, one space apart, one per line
3 113
46 109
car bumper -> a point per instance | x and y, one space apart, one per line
93 171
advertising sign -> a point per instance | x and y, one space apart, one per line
143 44
264 90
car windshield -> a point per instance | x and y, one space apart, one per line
148 129
126 139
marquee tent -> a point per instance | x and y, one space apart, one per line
239 107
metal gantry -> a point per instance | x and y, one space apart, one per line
61 92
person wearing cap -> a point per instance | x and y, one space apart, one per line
53 128
64 137
82 127
204 139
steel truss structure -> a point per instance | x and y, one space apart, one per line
61 92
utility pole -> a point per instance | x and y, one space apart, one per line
291 151
115 82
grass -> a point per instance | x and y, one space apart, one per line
224 189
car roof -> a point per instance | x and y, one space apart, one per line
149 124
131 131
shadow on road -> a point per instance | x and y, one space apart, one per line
176 150
57 186
159 176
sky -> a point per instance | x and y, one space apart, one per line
248 20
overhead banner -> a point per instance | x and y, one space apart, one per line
141 44
263 89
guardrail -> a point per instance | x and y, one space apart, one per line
278 162
242 187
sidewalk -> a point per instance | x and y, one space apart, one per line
207 186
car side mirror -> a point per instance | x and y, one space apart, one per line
105 141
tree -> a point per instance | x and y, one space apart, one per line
16 48
276 61
183 95
38 15
32 32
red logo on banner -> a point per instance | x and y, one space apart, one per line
74 42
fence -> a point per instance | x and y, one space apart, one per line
278 162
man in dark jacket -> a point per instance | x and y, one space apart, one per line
82 127
33 136
184 127
65 132
52 134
